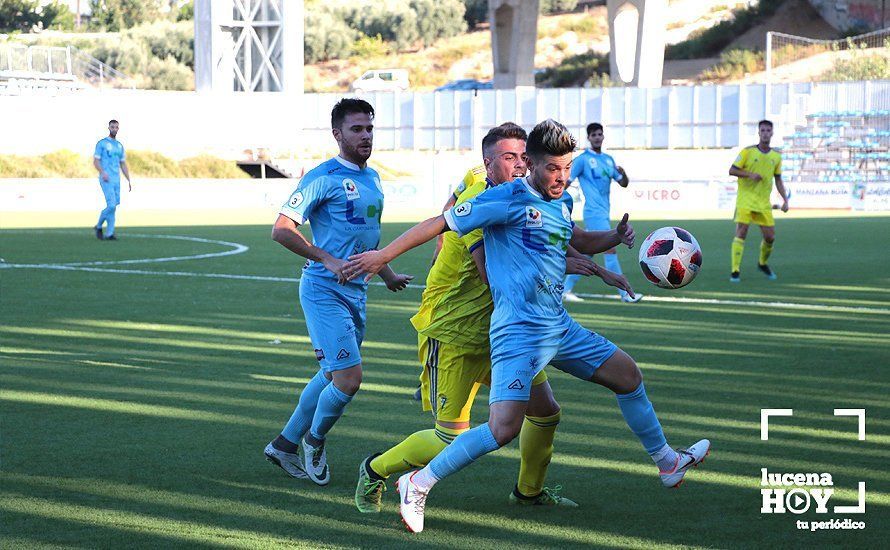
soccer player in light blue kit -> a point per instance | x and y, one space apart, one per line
595 171
110 160
527 228
343 200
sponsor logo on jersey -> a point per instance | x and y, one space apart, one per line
296 200
463 209
351 189
593 163
533 217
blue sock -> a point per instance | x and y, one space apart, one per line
465 448
109 218
103 215
299 422
640 417
331 404
612 264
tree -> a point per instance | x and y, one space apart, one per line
26 15
476 11
116 15
438 19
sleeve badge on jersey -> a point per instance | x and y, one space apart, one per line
295 200
462 209
533 217
351 189
461 187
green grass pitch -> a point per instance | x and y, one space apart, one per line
135 406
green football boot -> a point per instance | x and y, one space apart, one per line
548 497
369 490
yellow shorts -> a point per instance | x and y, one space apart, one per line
452 375
759 217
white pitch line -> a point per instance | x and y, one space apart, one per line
268 278
236 249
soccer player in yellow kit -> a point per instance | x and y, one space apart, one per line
756 167
453 345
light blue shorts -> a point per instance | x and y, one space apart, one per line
112 191
596 223
570 348
335 317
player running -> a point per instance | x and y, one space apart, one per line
452 327
527 229
756 167
595 171
110 160
343 199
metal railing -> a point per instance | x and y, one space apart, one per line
58 63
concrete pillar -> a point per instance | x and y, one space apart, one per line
514 32
636 40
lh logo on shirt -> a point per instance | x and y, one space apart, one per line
533 217
351 190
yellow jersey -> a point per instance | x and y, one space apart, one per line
754 195
456 305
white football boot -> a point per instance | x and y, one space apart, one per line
686 459
411 502
289 462
315 463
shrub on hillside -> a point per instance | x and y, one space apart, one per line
557 6
394 21
367 46
327 36
866 67
206 166
475 12
168 40
574 70
67 164
438 19
735 64
708 42
148 164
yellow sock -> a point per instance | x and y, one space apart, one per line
765 250
415 451
535 449
738 248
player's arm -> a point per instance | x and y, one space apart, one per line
478 255
373 261
594 242
97 158
126 170
780 187
439 240
285 233
737 170
621 176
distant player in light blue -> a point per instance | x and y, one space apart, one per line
110 160
595 171
527 228
343 200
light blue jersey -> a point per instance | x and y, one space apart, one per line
595 172
344 204
110 153
526 237
525 240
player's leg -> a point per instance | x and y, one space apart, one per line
336 338
450 381
536 447
768 230
511 374
110 205
742 219
112 214
590 356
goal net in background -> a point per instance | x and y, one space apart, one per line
785 51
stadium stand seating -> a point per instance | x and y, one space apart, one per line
839 146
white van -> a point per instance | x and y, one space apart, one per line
381 80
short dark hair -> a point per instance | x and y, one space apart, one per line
765 121
507 130
549 138
347 106
593 127
112 121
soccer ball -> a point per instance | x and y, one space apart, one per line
670 257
